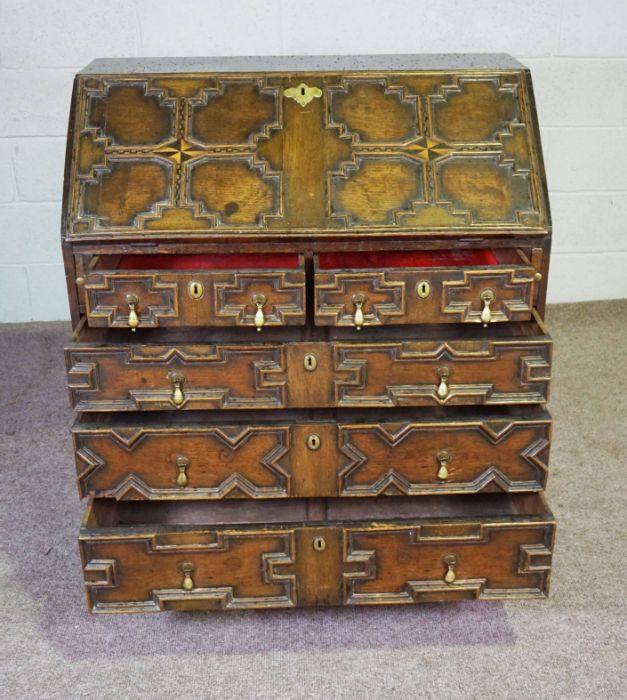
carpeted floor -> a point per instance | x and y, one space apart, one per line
570 646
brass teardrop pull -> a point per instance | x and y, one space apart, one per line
177 388
358 319
443 458
182 463
133 319
443 389
487 297
450 561
259 300
188 569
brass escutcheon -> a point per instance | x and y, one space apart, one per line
195 289
303 94
319 544
310 362
313 441
259 300
423 289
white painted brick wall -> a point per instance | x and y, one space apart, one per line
577 51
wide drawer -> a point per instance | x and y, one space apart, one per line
148 291
446 365
262 554
156 458
450 286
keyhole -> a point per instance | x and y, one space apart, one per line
195 289
319 544
310 362
302 91
423 289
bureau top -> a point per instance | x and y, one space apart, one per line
302 148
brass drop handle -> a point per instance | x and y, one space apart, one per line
133 319
259 300
450 561
443 388
443 458
358 319
177 389
487 297
188 569
182 463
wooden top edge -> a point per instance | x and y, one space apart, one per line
292 64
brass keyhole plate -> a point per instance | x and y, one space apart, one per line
310 362
319 544
195 289
423 289
314 442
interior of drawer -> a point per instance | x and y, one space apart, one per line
475 257
207 261
107 512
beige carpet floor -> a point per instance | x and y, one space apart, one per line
572 645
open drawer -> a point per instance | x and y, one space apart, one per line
149 290
196 555
410 287
369 453
431 365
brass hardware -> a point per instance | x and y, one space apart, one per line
259 300
313 441
196 289
537 277
182 462
358 301
443 458
303 94
188 582
487 297
133 319
177 388
310 362
319 544
423 289
443 389
80 280
450 561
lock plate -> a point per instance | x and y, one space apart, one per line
319 544
423 289
195 289
310 362
313 441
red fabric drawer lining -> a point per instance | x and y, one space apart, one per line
409 258
231 261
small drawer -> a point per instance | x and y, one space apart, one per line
150 291
149 556
447 365
451 286
415 454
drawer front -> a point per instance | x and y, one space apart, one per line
165 567
308 375
362 298
254 298
312 459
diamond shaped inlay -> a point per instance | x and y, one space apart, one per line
180 151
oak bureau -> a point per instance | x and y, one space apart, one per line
309 364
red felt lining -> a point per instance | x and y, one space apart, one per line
409 258
222 261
